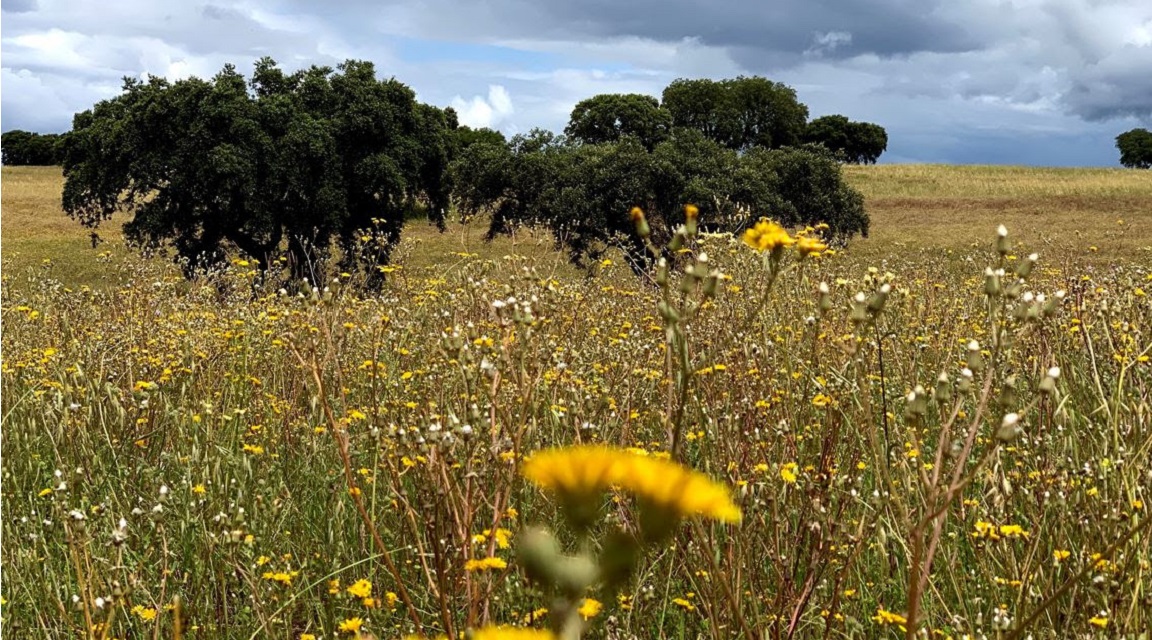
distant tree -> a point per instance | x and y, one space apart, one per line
1135 148
611 116
801 186
583 192
466 136
19 147
855 142
287 164
739 113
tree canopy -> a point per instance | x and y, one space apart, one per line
609 117
739 113
583 192
26 148
1135 148
283 166
855 142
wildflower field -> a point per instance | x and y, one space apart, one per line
944 430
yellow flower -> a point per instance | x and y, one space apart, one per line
589 608
681 602
279 576
810 246
254 449
885 617
766 236
147 614
199 489
585 470
1061 554
361 588
788 472
1013 531
351 625
485 564
1098 621
307 636
511 633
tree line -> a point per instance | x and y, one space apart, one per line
23 148
324 165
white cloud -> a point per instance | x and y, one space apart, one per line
491 112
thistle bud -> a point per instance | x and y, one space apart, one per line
691 213
662 273
1003 244
975 358
642 228
991 283
1010 428
943 389
879 299
1008 395
539 553
1048 384
1024 269
824 301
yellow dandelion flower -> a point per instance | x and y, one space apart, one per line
788 472
1061 555
511 633
485 564
809 245
1098 621
885 617
590 608
352 625
686 605
360 589
586 470
767 236
147 614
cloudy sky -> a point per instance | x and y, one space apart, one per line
1046 82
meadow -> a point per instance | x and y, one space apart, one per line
930 433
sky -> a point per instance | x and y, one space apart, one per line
1035 82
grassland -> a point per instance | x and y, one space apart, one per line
918 439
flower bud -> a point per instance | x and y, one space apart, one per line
1003 244
691 213
641 223
1010 428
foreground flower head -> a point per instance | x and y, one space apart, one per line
586 470
766 236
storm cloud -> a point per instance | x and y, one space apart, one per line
1028 81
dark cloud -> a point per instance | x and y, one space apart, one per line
947 78
19 6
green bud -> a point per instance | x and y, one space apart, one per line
991 283
539 554
574 574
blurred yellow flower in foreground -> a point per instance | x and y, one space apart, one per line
766 236
582 471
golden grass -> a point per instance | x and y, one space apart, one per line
1070 214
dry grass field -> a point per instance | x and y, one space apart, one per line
1084 215
928 434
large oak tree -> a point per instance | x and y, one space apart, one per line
283 165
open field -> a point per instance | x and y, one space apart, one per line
919 441
1063 212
